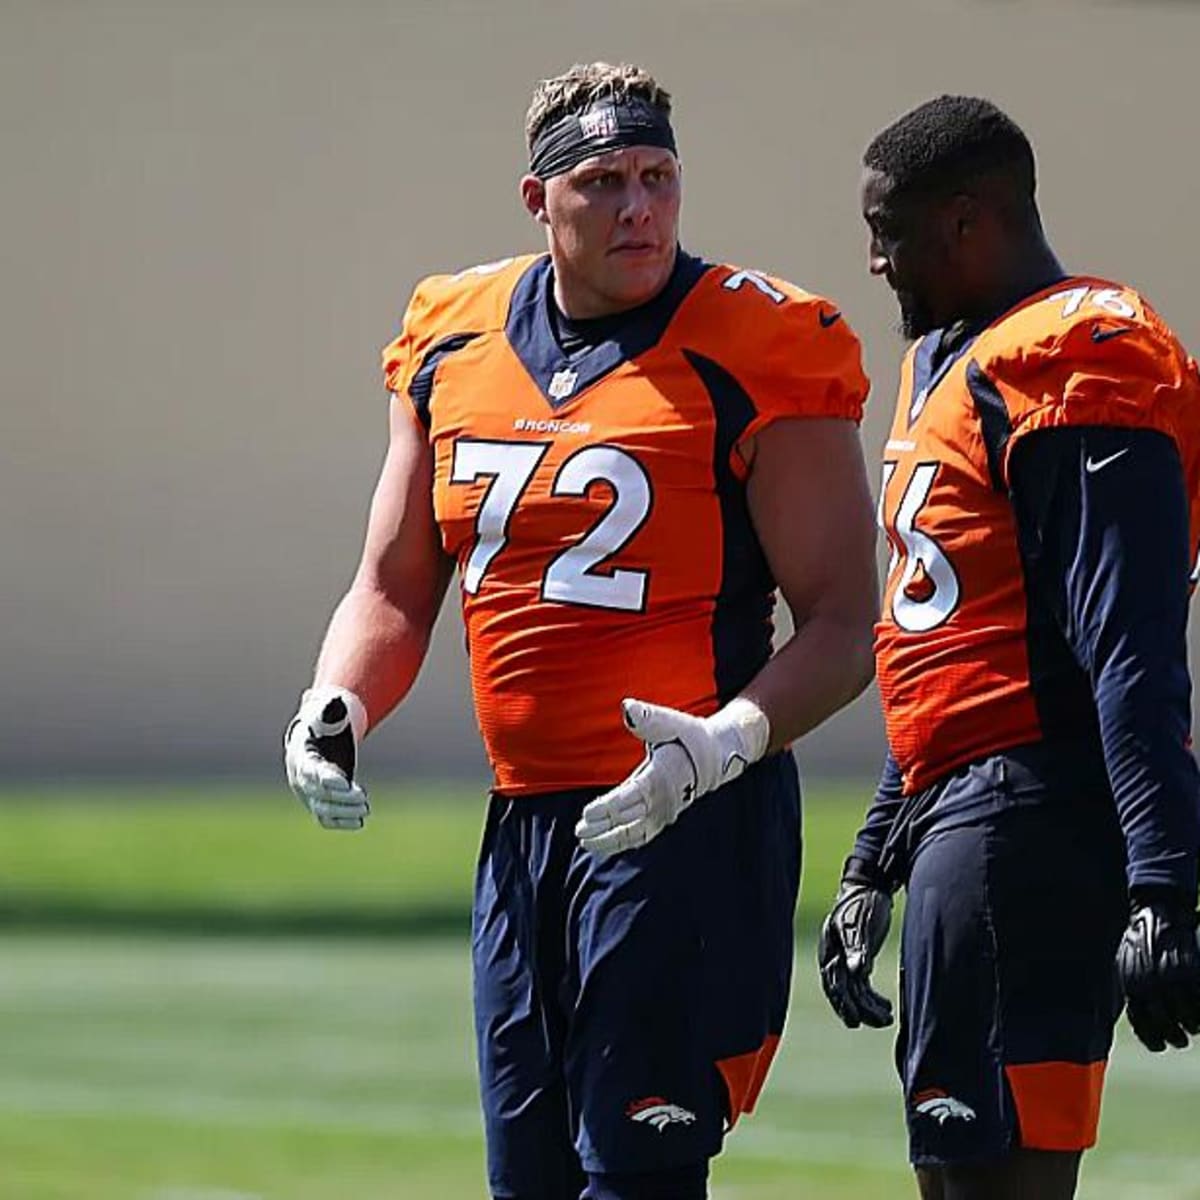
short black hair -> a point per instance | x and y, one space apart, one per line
945 142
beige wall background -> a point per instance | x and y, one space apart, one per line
211 219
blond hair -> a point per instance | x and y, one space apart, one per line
576 89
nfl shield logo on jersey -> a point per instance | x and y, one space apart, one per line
562 384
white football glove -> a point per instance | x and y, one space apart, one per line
320 749
686 757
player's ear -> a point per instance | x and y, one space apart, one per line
963 214
533 196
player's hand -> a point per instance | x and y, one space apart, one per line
851 937
686 757
320 749
1159 964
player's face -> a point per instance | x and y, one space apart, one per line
910 250
613 224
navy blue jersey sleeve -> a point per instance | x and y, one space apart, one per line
873 837
1105 511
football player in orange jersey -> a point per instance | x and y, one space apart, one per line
625 450
1040 803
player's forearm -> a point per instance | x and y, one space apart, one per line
1143 709
871 842
1131 638
1114 555
375 647
821 668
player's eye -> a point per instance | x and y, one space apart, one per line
887 229
883 237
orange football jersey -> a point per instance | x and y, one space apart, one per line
595 501
953 643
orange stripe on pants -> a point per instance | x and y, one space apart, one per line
1058 1103
745 1075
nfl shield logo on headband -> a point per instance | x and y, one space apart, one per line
599 122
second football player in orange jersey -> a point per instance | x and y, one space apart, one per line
1041 501
1081 352
624 450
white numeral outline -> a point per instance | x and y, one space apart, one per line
1109 300
572 576
756 280
920 552
889 469
508 467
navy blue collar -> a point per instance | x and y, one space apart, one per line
929 368
936 353
561 376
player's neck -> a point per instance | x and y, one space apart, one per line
1029 268
577 300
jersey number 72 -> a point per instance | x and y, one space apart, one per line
572 576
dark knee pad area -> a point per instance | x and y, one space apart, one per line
1021 1175
679 1183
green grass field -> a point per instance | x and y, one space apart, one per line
169 1066
307 1069
245 860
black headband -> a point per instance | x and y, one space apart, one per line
606 125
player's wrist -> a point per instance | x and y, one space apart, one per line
1175 902
865 873
743 729
315 701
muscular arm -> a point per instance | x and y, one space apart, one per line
379 633
812 511
809 503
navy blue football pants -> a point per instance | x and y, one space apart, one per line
1008 994
627 1008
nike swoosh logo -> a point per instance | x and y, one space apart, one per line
828 319
1092 465
1103 335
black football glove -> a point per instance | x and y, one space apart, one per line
1158 961
851 937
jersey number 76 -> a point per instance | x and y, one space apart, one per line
928 590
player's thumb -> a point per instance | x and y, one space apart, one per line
651 722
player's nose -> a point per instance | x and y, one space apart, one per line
635 207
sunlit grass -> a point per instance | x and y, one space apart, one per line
291 1069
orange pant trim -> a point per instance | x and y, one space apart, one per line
1058 1103
744 1076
